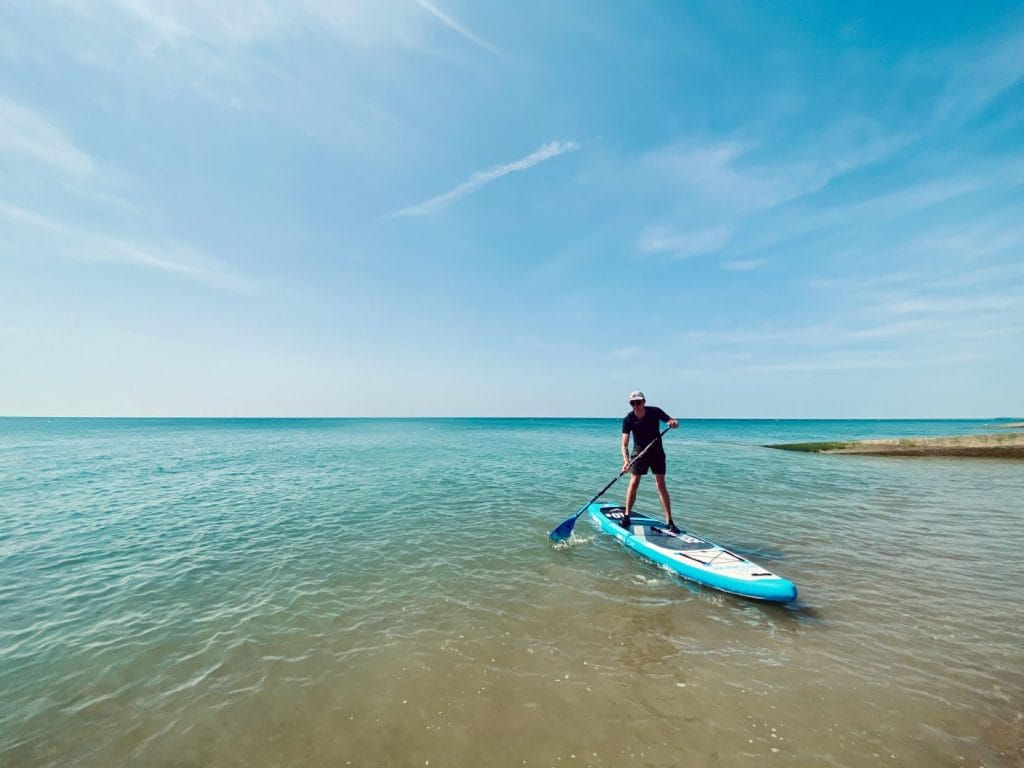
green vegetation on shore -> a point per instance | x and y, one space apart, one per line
812 447
1004 446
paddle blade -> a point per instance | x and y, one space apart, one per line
564 531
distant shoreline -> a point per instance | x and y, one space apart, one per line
1003 446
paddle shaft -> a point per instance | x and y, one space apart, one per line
628 467
562 532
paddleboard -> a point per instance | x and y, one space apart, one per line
692 557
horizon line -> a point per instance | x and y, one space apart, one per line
548 418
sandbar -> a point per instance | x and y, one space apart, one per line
1003 446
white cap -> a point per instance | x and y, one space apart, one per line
636 395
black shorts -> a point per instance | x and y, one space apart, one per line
653 460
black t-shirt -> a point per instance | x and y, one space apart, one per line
646 429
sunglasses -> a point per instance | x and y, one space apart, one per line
636 402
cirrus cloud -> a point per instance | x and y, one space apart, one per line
481 179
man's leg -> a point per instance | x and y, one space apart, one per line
634 483
666 502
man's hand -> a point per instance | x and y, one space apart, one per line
673 423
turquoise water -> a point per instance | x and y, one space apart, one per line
382 592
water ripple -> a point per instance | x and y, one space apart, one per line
224 593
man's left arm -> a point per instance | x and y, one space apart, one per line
673 423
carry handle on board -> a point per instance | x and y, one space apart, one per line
563 531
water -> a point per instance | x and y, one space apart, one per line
382 592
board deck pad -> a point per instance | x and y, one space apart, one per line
655 529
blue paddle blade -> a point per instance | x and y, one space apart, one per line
562 532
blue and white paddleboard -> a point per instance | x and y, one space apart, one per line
692 557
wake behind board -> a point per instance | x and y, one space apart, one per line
692 557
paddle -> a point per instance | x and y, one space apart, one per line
562 532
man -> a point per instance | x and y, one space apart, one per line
644 422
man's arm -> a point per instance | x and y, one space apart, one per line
673 423
625 449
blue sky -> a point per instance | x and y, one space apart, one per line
449 208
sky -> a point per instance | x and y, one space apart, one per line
454 208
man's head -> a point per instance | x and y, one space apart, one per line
636 398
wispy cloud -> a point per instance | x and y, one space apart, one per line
895 360
898 329
233 25
715 173
716 192
889 205
25 132
744 265
43 233
683 245
483 178
631 353
456 26
987 333
820 336
968 241
223 24
735 176
950 304
809 335
919 279
980 73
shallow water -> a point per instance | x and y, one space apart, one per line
382 592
